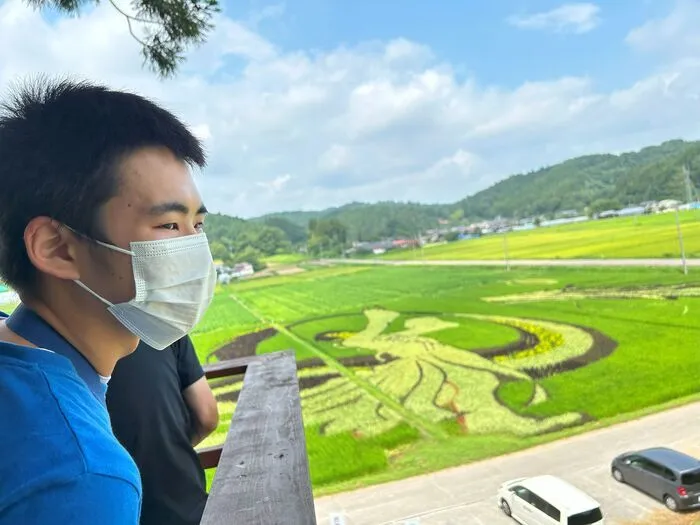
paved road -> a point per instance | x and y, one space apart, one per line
520 262
466 495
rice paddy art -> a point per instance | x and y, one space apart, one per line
440 382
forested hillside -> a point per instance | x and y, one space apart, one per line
588 182
654 173
235 240
368 222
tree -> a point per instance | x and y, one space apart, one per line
219 251
605 204
164 28
457 215
654 173
248 255
327 236
295 233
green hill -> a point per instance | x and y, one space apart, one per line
592 181
654 173
369 222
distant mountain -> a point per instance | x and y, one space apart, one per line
367 222
592 181
653 173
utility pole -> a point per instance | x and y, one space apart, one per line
505 250
689 190
680 242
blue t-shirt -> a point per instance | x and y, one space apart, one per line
60 462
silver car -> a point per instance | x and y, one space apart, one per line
663 473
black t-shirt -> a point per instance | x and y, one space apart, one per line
151 420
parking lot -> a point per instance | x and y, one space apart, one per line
467 494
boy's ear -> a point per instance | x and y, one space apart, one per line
51 248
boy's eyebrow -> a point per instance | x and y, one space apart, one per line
168 207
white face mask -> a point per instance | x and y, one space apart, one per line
174 280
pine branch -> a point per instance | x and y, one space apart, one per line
169 27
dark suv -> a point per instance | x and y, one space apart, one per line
663 473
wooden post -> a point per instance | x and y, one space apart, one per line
263 474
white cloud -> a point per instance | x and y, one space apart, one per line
271 11
675 35
576 18
275 185
202 132
334 158
380 120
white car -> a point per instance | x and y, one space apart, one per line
548 500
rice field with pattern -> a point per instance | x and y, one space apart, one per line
480 360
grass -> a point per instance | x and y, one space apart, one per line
652 236
284 258
359 456
308 331
472 334
654 364
7 308
516 394
469 334
225 320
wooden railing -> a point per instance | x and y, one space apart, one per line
209 456
262 474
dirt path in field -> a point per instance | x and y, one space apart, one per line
467 494
518 262
453 407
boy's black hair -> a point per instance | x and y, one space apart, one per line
61 144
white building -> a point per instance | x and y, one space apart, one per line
239 271
242 270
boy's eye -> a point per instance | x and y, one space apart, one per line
169 226
199 226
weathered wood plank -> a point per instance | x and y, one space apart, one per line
209 456
263 473
229 367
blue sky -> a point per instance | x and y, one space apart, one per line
474 36
304 104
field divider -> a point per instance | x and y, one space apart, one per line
426 427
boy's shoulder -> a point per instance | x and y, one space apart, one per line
57 430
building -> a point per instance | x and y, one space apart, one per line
608 214
242 270
405 243
239 271
667 205
631 211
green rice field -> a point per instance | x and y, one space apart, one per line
405 370
649 236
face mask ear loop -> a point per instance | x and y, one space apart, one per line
84 287
115 248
